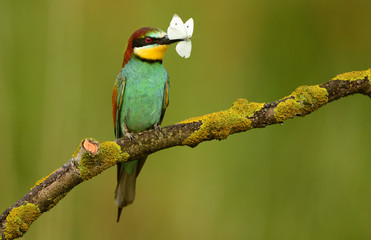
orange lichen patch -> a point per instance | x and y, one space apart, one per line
19 220
354 76
220 125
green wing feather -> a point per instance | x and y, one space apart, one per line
165 101
120 84
120 89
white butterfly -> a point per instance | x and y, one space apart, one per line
184 31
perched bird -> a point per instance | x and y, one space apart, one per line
139 100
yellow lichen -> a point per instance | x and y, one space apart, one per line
303 100
43 179
108 155
353 76
221 124
77 150
310 97
243 107
286 110
19 220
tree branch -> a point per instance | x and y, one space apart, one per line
92 157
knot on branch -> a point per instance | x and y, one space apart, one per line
92 158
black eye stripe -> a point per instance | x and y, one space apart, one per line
142 42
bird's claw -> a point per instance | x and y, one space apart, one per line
129 135
156 127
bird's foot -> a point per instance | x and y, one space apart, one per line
127 133
156 127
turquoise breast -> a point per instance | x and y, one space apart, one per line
143 95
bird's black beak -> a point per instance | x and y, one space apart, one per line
166 41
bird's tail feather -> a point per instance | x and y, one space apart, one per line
126 179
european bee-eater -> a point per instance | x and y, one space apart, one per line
139 100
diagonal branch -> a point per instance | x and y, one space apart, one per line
92 157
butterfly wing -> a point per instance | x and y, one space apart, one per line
189 27
176 30
184 48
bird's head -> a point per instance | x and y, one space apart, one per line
148 44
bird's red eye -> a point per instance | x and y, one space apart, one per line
148 39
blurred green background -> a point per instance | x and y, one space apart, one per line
307 179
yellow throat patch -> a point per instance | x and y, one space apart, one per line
151 52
